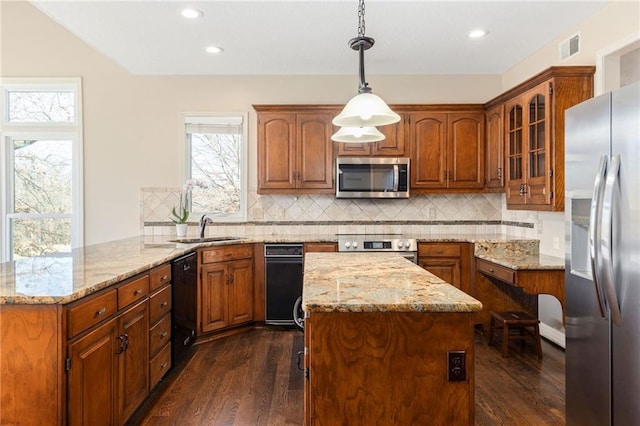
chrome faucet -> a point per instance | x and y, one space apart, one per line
203 223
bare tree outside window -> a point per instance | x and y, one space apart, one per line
40 180
215 160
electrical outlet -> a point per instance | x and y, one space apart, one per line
556 243
282 213
432 213
539 227
456 366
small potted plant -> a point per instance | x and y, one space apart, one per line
180 213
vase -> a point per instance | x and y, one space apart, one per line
181 229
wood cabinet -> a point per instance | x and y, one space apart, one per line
159 324
356 360
295 151
226 287
320 247
108 368
393 145
447 150
534 135
494 150
448 261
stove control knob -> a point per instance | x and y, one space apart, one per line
355 244
407 244
400 244
347 244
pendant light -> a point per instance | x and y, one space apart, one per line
365 109
357 135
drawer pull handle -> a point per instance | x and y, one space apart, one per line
101 311
163 366
164 304
163 335
163 278
137 292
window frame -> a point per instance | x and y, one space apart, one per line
10 131
241 216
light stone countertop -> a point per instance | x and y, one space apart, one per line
61 279
377 282
520 261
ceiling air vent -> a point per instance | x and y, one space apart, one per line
570 47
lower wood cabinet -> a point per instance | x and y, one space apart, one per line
108 375
159 324
449 261
92 378
226 287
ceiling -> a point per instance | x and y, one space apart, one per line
310 37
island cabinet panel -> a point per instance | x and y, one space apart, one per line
31 367
226 287
320 247
387 368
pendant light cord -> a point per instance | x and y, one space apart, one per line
361 24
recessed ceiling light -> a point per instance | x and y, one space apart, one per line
214 49
478 33
191 13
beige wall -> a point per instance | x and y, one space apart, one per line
132 124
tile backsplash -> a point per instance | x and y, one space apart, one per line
324 214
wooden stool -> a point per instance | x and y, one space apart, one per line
518 321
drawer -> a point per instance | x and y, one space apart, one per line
227 253
159 277
502 273
133 291
159 365
159 304
439 250
88 313
159 335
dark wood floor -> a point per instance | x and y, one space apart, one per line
252 379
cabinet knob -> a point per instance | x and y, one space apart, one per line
163 366
163 278
164 304
163 335
137 292
101 311
491 270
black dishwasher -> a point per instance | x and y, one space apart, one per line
283 282
184 271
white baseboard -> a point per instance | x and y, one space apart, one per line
552 334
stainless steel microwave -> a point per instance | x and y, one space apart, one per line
372 177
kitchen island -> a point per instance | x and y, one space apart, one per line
386 343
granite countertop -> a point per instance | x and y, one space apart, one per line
60 279
520 261
377 282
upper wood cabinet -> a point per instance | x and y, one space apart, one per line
447 150
393 144
494 151
295 151
534 135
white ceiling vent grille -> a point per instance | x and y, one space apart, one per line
570 47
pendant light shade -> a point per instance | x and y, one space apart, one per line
366 109
357 135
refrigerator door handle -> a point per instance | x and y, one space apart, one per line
595 215
606 240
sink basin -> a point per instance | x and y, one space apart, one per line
203 240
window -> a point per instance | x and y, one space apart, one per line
216 158
41 156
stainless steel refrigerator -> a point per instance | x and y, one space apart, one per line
602 225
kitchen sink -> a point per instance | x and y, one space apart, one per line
203 240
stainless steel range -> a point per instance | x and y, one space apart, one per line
377 243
